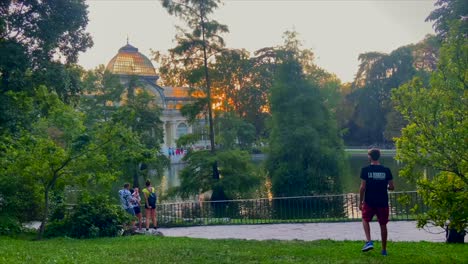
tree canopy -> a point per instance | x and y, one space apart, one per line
435 136
305 152
446 12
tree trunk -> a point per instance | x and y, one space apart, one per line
40 235
207 81
453 236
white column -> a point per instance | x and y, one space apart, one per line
165 138
190 128
173 133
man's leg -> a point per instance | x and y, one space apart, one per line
366 226
367 214
383 232
382 216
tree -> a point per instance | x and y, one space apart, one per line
199 44
39 42
36 33
127 104
434 137
373 118
236 175
40 27
60 151
234 132
305 153
446 12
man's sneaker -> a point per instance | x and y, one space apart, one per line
384 252
368 246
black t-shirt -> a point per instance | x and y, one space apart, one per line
376 177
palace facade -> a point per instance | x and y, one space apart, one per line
129 63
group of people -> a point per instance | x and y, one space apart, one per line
130 200
176 151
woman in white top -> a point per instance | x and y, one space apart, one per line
136 199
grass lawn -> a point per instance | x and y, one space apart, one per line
149 249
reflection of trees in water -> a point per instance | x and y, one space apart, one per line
350 181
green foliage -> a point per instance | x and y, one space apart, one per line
196 43
233 131
369 111
94 216
9 225
446 12
236 174
132 110
306 156
446 197
60 151
33 35
434 136
30 23
187 140
16 193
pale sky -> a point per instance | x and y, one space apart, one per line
336 30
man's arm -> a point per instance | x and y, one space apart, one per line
362 191
391 187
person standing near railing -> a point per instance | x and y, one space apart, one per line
150 204
373 198
136 204
126 201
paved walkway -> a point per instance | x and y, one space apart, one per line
397 231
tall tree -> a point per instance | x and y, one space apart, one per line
379 73
200 43
435 136
305 152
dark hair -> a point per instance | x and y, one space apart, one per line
374 154
126 185
148 183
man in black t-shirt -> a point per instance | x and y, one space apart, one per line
375 180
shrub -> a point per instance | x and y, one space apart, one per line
95 216
9 225
56 228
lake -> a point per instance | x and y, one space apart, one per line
350 180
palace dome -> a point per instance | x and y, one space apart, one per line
129 61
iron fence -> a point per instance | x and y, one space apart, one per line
303 209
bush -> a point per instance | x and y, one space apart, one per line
9 225
56 228
93 217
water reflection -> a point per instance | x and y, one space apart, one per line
350 180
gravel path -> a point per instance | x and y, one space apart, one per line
397 231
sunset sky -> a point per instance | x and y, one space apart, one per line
336 30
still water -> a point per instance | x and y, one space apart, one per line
350 180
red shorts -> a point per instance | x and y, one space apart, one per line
368 213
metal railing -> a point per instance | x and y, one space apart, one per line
303 209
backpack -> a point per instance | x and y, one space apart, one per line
152 198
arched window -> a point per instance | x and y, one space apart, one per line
182 129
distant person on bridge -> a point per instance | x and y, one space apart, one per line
373 197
